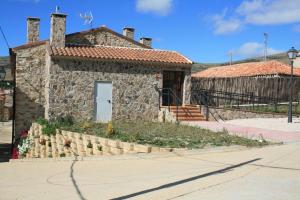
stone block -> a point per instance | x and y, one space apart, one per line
103 141
64 133
155 149
164 150
113 143
127 146
116 151
106 148
142 148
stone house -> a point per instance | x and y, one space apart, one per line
97 74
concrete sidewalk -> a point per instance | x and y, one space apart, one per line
273 129
260 173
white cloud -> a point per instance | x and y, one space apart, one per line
253 49
225 26
266 12
158 7
258 12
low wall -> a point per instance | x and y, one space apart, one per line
67 144
219 114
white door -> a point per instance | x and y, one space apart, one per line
103 101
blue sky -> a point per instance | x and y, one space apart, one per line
203 30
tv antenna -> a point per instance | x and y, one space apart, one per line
266 46
88 18
57 9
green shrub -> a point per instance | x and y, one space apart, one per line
89 145
64 121
41 121
49 129
62 155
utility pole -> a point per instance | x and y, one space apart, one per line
266 46
230 57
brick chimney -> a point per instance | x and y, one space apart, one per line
146 41
58 30
128 32
33 29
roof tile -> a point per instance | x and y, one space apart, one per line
122 53
248 69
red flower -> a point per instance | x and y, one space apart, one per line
24 134
15 153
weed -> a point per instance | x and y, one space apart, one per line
62 155
89 145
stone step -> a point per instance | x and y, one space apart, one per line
192 119
187 113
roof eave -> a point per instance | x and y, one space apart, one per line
170 64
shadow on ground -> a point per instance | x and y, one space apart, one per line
168 185
5 149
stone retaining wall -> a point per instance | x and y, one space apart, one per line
219 114
67 144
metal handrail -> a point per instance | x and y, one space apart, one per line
169 93
211 98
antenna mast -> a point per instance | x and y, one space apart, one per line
266 46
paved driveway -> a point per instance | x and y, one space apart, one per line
273 129
260 173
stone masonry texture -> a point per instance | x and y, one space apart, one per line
33 28
58 30
100 38
72 89
30 84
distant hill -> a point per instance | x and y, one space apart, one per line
281 57
4 60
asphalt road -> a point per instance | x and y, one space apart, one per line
260 173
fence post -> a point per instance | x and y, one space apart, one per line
169 100
206 104
159 98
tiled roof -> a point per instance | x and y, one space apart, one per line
248 69
122 54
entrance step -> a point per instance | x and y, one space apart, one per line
187 113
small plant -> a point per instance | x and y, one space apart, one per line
89 145
67 143
49 129
50 156
25 145
64 121
99 148
41 121
42 142
110 129
62 155
87 125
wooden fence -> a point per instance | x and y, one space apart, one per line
275 87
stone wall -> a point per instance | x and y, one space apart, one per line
33 29
30 83
219 114
72 87
100 38
187 87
